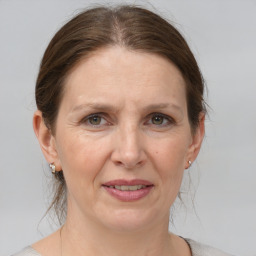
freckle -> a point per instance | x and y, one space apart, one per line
156 152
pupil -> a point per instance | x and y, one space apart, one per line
95 120
157 120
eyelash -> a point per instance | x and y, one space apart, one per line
87 118
167 120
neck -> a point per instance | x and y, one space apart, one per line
80 237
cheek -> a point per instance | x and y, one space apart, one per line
81 158
170 155
170 158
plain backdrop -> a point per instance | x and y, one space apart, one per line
222 35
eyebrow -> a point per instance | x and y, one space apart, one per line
162 106
95 106
111 108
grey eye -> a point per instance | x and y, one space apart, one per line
94 120
157 120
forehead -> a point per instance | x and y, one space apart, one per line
118 72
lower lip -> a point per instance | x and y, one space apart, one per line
128 196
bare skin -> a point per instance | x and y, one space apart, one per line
123 116
54 245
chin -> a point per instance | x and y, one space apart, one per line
129 220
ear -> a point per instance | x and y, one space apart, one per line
46 140
197 139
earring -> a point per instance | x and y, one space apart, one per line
189 164
52 166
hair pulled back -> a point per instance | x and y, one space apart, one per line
131 27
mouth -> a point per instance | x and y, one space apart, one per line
125 190
128 188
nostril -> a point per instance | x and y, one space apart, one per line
129 165
119 163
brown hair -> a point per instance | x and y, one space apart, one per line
131 27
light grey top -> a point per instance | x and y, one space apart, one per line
196 248
28 251
199 249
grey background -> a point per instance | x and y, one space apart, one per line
222 34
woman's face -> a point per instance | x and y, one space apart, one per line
123 138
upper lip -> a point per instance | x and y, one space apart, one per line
121 182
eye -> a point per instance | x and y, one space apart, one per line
157 120
161 120
95 120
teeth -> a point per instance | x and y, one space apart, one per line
128 188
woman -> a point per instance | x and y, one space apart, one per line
120 116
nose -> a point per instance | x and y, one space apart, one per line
128 150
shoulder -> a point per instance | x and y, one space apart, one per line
199 249
28 251
49 245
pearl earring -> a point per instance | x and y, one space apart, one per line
189 164
52 166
